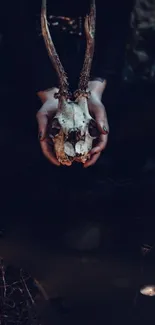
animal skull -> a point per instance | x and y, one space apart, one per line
72 129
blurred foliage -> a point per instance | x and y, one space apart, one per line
140 52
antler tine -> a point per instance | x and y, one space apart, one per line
90 21
63 83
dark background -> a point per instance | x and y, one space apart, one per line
118 191
28 181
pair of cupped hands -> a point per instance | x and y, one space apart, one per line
96 110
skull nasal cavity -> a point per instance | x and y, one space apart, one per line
74 136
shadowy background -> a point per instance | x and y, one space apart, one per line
125 173
57 205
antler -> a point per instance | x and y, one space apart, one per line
90 21
63 83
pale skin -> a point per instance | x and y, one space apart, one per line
96 109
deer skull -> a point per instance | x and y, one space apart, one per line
72 130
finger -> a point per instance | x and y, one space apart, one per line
100 146
102 127
42 124
101 120
92 160
48 154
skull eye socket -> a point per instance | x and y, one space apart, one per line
93 129
54 127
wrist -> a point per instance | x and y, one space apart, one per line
97 87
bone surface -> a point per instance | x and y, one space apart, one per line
69 130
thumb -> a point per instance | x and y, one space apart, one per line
101 119
42 120
102 126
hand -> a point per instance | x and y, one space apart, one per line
98 112
48 110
